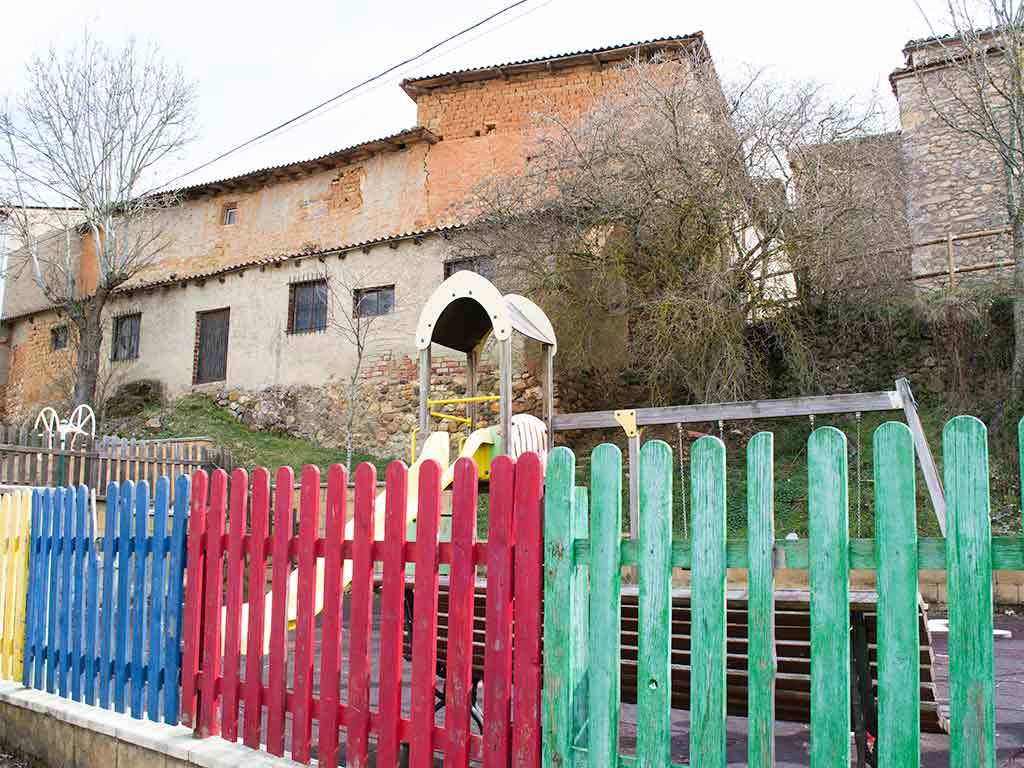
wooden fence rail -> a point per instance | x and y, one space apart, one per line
214 684
99 630
106 460
583 678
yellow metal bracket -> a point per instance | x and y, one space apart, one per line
450 417
627 420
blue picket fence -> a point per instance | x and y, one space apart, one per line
103 618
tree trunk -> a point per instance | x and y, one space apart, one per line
90 338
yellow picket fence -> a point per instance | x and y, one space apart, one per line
15 519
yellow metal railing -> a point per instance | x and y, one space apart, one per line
458 400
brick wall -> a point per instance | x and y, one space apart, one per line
38 374
488 127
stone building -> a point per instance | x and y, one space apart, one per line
956 208
238 304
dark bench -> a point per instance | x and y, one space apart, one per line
792 643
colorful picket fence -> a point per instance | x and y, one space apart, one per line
214 682
15 514
585 557
104 615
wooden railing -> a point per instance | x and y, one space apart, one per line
25 459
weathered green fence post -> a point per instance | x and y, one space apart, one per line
899 691
761 601
605 612
558 580
707 606
828 524
969 574
654 650
579 606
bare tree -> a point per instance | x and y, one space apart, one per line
86 136
352 318
974 83
687 217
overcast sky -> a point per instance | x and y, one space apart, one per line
259 62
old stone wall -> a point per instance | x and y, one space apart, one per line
955 181
387 404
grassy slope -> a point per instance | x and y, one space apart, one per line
198 415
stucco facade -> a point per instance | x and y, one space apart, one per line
375 214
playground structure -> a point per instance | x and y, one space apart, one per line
462 314
80 424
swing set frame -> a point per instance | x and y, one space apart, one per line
901 398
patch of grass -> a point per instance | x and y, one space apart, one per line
199 415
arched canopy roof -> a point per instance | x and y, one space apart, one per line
466 307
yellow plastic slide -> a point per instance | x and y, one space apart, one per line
436 447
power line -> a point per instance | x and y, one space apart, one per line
400 76
344 93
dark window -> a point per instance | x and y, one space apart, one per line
307 306
481 266
125 344
370 302
211 363
59 337
230 215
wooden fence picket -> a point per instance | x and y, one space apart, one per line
392 609
707 681
654 648
330 655
899 692
500 581
969 574
259 524
15 509
302 696
361 616
605 579
761 601
828 524
560 605
424 626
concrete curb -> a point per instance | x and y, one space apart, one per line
63 733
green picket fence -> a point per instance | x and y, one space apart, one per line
585 553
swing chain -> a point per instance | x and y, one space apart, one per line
682 480
859 495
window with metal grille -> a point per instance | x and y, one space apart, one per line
370 302
125 344
307 306
59 337
475 264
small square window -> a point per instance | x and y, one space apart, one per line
307 306
125 344
371 302
230 214
475 264
59 337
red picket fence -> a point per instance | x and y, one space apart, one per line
215 681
